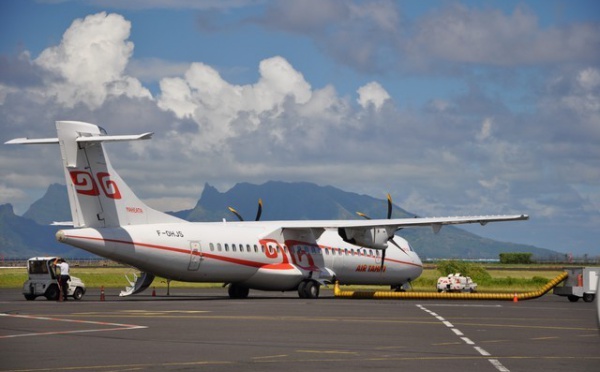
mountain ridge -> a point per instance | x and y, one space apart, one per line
281 201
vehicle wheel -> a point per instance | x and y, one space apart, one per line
573 298
238 291
588 297
29 297
311 289
78 293
52 293
301 287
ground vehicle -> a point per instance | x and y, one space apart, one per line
456 283
581 283
43 281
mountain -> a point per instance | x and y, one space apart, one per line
52 207
300 200
22 237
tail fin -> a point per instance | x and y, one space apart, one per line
97 194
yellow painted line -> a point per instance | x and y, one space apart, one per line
270 356
494 341
447 343
327 352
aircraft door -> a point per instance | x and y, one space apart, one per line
195 256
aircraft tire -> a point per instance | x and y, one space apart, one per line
238 291
301 287
310 289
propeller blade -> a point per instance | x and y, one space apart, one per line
363 215
389 205
259 211
232 210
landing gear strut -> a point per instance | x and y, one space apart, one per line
308 289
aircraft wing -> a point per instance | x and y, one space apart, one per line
376 233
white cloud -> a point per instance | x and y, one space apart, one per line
462 154
486 130
90 61
372 94
377 36
589 78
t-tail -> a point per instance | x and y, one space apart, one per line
98 196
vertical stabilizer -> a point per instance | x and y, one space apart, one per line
97 194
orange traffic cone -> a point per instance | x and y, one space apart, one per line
515 298
153 292
102 293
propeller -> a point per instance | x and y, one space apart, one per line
391 239
239 216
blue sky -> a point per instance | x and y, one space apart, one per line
455 108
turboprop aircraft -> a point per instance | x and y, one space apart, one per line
109 220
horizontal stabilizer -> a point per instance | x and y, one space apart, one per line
129 137
34 141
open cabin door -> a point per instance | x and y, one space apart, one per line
195 255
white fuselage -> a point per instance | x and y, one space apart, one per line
233 252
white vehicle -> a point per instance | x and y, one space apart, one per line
456 283
110 221
43 281
582 282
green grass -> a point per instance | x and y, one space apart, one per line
114 277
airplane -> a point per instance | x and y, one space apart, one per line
110 221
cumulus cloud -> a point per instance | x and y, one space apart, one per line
463 153
372 94
89 63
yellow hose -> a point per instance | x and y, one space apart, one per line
451 296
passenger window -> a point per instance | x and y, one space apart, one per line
212 247
255 248
226 247
247 247
262 248
233 248
219 247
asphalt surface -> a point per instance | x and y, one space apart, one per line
202 329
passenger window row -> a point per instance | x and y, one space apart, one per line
218 247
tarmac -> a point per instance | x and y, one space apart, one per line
202 329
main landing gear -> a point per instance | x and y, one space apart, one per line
238 291
308 289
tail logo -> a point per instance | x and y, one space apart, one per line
86 185
109 187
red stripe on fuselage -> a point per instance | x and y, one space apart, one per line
180 250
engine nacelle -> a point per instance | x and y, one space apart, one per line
373 237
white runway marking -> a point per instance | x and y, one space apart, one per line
113 326
495 362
